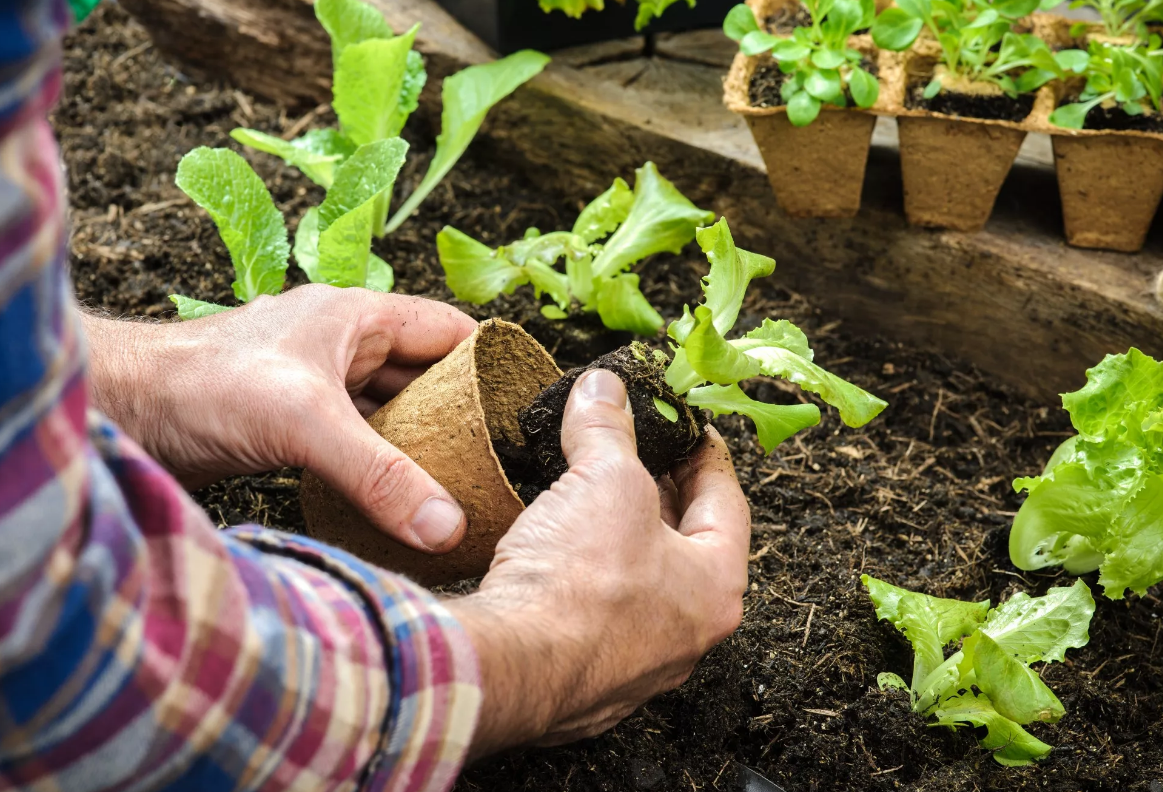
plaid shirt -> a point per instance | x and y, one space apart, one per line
141 649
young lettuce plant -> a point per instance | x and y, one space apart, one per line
978 44
652 218
708 369
1128 77
648 10
1099 502
819 65
377 82
988 682
1120 18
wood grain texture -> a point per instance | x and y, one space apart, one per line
1013 298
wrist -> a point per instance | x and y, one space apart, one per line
526 666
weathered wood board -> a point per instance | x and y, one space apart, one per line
1014 299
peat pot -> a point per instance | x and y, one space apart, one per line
816 170
447 421
510 25
1111 185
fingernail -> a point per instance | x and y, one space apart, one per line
604 386
436 521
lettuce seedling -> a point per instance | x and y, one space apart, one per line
978 44
708 369
377 82
652 218
647 9
1099 502
988 682
1120 18
1130 78
819 65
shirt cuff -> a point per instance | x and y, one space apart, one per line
432 667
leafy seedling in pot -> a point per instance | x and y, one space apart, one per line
1099 502
980 52
648 10
988 682
1129 78
818 65
377 82
1120 18
703 371
615 231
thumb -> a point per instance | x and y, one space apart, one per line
392 491
597 423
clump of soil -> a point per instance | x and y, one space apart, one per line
989 108
767 83
661 441
784 21
921 497
1116 119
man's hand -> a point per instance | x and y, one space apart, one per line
286 381
603 593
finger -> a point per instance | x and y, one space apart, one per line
710 499
668 501
389 380
399 497
597 423
421 331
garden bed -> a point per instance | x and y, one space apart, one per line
920 497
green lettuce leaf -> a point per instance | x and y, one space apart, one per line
1015 690
1042 628
739 22
571 8
1119 394
1010 744
651 9
605 213
474 271
221 182
368 175
380 275
317 154
307 245
622 306
774 423
725 286
661 219
711 357
369 88
195 309
468 96
350 22
1134 543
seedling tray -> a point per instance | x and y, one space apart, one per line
511 25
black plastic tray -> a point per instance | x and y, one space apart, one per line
510 25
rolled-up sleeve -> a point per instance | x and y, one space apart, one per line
140 648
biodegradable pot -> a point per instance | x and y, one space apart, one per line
816 170
446 421
953 169
1111 186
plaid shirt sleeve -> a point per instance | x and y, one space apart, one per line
141 649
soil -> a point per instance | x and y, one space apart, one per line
767 81
1117 120
787 19
921 497
990 108
661 442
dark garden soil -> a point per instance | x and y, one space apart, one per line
1116 119
921 497
990 108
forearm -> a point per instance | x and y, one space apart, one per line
124 360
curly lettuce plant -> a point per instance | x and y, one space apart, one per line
819 66
978 44
1099 502
648 10
987 683
1130 78
615 231
377 82
707 369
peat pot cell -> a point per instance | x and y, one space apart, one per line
940 191
448 421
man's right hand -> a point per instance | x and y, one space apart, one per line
609 588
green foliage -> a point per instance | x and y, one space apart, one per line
377 83
648 10
1099 502
1130 77
819 65
708 368
1121 18
652 218
221 182
988 682
978 43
